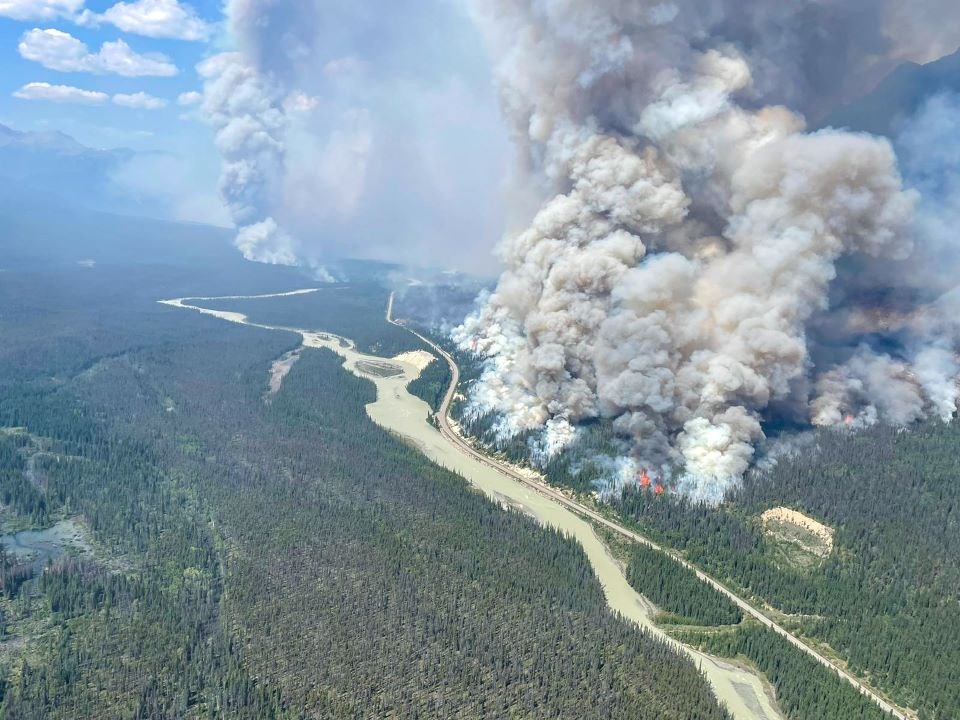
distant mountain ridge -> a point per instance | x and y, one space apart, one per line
54 162
50 140
898 96
53 143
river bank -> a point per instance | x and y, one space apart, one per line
744 692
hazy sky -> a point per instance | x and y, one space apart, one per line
382 116
377 156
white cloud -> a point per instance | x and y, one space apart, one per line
58 50
117 57
70 94
60 94
39 9
189 98
140 101
153 18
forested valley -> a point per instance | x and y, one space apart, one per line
886 599
698 615
271 560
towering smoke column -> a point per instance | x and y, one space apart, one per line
342 135
691 229
249 122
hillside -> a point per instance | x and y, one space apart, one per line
898 96
54 163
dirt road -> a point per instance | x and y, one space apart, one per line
443 422
743 691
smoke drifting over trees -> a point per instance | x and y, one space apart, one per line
699 263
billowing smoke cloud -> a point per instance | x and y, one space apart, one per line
876 384
692 232
250 124
345 129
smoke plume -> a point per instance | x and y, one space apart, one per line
342 131
693 238
250 125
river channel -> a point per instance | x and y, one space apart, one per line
744 692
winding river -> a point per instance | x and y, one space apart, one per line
744 692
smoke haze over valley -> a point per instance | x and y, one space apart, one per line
696 241
479 359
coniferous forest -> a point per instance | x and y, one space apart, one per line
886 599
289 559
698 615
245 559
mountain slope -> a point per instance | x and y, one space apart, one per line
898 96
43 160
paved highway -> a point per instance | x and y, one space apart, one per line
443 423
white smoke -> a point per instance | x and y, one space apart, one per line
249 121
343 136
558 433
937 370
866 387
690 233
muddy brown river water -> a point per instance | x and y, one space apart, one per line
744 692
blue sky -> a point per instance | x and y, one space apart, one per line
106 124
398 146
177 148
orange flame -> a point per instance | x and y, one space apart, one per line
644 479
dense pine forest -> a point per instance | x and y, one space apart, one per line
356 311
806 690
692 611
676 590
289 559
270 560
432 384
887 597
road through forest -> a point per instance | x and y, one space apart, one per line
445 427
744 691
